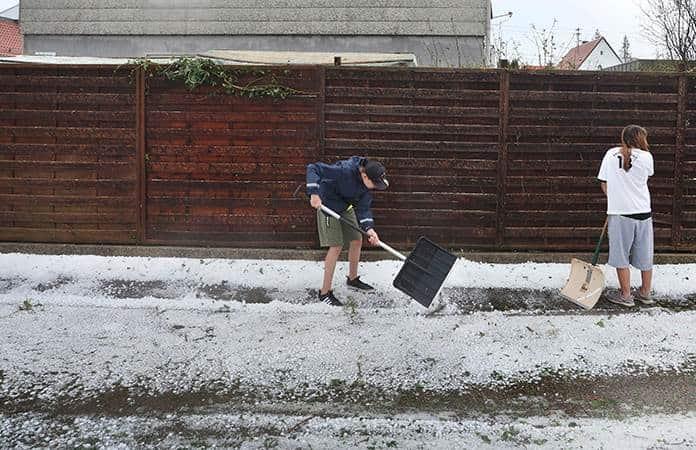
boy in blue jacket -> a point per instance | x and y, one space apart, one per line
345 188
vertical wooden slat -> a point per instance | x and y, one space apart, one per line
678 197
15 122
321 126
502 156
141 163
321 104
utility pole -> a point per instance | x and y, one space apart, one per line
577 45
501 47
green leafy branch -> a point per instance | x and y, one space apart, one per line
196 72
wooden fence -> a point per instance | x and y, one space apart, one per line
477 159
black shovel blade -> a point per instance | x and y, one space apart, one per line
424 271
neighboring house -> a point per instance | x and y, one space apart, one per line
592 55
438 32
10 32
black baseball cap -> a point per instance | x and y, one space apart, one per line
375 171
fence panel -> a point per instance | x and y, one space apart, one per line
689 170
437 133
67 154
221 169
561 124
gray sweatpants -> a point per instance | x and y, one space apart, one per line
630 242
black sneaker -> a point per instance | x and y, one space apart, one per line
329 299
357 284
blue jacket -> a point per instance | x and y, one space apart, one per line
340 185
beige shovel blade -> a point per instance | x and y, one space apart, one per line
578 290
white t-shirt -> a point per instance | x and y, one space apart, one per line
627 192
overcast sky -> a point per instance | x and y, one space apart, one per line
613 18
4 4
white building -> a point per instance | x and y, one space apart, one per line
590 55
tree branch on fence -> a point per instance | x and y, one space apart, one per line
197 72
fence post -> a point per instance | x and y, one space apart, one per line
504 111
678 197
140 152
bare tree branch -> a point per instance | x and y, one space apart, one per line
671 26
545 43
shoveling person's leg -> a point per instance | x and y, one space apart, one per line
354 258
621 235
353 280
644 294
624 276
330 235
329 268
646 283
354 249
642 259
326 294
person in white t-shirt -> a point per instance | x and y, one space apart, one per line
624 177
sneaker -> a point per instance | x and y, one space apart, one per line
357 284
329 299
644 299
619 299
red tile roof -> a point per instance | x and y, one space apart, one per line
11 40
576 56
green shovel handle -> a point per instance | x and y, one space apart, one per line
595 257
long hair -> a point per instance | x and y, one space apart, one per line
633 136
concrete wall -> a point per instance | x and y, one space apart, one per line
445 33
244 17
440 51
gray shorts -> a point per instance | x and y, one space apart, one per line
630 243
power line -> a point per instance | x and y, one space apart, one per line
522 28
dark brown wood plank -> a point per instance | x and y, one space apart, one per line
87 101
431 112
14 200
75 236
70 218
62 148
418 74
405 93
121 134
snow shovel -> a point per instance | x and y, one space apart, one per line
586 281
